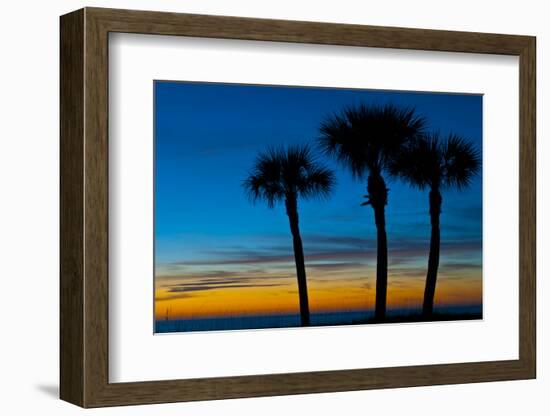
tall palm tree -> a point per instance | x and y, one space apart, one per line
285 175
435 164
365 139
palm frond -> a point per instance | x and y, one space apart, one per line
461 162
366 138
319 183
338 139
264 180
419 162
431 162
294 171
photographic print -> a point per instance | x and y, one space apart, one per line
290 206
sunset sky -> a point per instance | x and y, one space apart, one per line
217 254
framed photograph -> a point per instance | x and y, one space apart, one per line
257 207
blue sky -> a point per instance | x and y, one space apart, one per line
207 136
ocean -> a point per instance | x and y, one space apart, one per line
225 323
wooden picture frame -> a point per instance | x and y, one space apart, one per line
84 207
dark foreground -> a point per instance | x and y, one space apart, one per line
450 313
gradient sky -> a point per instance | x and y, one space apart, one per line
217 254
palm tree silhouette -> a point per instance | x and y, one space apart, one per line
366 139
434 164
286 174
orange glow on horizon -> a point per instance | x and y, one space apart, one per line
339 294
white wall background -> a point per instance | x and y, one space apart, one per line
29 209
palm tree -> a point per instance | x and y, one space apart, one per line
284 175
434 164
365 139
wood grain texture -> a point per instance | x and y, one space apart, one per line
96 208
527 208
162 23
84 207
71 158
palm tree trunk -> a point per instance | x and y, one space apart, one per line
433 260
378 198
292 212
